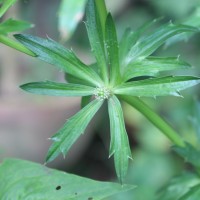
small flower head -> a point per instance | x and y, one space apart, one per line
102 93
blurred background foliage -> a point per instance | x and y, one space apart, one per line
26 121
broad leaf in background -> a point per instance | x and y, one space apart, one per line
12 25
26 180
70 14
180 186
5 5
189 153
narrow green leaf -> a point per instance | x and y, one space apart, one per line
119 144
129 39
55 54
72 129
189 153
12 25
157 86
6 4
58 89
179 186
23 180
152 66
155 119
95 34
70 14
112 50
145 46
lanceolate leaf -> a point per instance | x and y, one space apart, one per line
112 50
55 54
23 180
12 25
58 89
119 145
6 5
157 86
193 194
129 39
145 46
152 66
73 128
95 35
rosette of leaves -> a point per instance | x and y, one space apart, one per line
118 73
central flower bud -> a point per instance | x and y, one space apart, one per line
102 93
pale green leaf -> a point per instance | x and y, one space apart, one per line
157 86
58 89
72 129
55 54
129 39
23 180
70 14
95 34
112 50
6 4
119 144
12 25
152 66
146 45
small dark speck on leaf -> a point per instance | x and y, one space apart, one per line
90 198
58 187
76 193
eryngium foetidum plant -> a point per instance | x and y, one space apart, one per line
117 74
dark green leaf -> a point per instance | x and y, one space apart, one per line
12 25
179 186
145 46
55 54
157 86
72 129
152 66
119 144
112 50
70 13
95 34
23 180
58 89
6 4
189 153
85 101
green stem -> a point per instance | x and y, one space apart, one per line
15 45
155 119
101 9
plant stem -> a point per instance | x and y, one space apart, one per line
155 119
101 9
15 45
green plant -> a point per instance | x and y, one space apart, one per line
123 71
110 79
